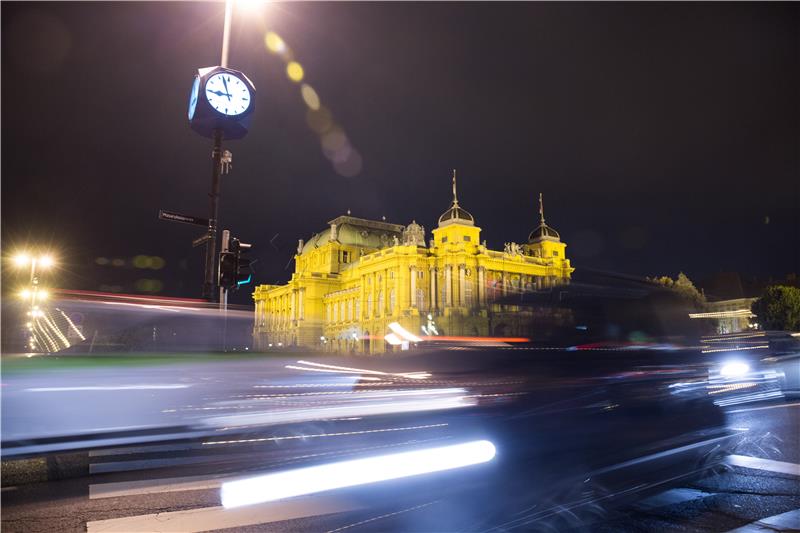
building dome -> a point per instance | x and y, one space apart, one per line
456 214
356 232
543 232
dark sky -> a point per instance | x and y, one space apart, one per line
664 137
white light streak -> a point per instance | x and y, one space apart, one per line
110 387
291 483
365 404
393 339
403 333
340 369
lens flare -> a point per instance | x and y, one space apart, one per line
274 43
295 71
310 96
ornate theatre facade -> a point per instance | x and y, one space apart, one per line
357 276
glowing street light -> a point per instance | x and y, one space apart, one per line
21 260
34 295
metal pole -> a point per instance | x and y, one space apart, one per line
216 155
226 33
211 244
223 291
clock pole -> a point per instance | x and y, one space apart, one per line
216 156
211 244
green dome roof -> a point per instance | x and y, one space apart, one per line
356 232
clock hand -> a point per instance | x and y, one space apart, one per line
225 83
219 93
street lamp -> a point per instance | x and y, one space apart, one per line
44 261
34 294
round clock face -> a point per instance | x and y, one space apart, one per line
227 94
193 96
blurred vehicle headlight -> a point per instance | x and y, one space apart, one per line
734 369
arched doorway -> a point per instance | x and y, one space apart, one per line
365 342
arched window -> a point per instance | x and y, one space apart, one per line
392 301
381 306
358 309
335 311
420 299
350 309
370 309
341 311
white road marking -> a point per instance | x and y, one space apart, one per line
780 522
212 518
154 486
764 464
765 407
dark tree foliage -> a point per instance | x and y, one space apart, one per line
778 308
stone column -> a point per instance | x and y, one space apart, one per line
385 290
301 310
504 281
432 273
481 286
292 306
448 285
363 304
462 285
413 285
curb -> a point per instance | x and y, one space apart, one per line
39 469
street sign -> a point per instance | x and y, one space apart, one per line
186 219
201 240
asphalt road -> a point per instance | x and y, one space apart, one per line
176 488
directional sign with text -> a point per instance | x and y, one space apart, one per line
202 239
178 217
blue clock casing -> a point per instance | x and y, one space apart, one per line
223 100
195 92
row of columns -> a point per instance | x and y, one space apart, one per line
290 310
449 296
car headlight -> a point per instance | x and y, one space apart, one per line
734 369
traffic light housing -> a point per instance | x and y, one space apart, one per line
235 268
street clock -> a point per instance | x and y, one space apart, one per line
221 99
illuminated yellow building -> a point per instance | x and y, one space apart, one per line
357 276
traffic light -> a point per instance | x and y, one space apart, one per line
244 269
235 269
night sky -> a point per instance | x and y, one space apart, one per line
665 137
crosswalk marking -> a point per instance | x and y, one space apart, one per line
764 464
780 522
212 518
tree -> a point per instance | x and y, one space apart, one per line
778 308
683 286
